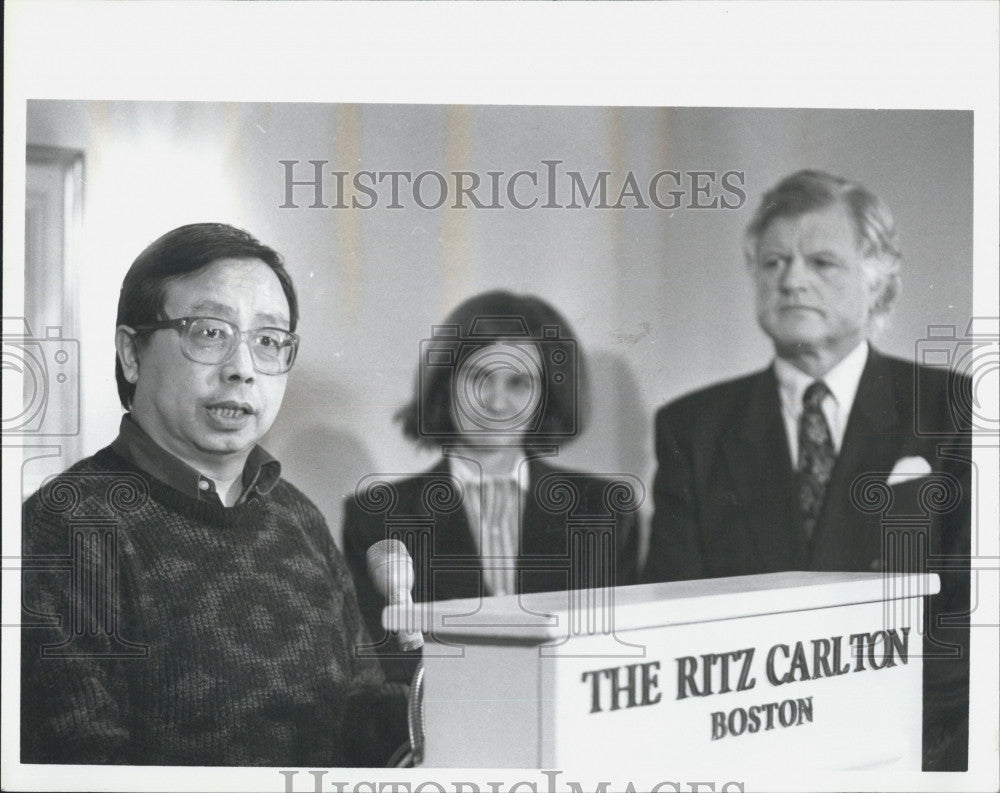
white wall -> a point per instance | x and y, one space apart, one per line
659 299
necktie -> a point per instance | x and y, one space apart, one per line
816 456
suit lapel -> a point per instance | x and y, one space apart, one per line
844 536
452 534
454 568
541 534
756 450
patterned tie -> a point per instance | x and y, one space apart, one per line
816 456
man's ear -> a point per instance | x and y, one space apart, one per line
127 347
886 298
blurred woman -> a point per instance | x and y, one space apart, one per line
501 385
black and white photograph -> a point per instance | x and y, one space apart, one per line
364 432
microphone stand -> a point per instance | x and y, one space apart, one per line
415 716
411 754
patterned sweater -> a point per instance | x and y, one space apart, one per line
163 630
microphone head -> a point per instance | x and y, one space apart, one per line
390 569
384 550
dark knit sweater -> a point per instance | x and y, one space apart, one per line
164 630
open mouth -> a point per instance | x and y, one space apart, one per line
229 411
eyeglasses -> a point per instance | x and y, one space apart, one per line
212 341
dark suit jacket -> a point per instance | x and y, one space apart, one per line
421 512
725 497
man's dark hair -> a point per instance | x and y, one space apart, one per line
178 253
497 315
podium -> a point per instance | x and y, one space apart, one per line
814 670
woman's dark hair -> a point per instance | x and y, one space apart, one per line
178 253
483 319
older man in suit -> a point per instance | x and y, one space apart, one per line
803 465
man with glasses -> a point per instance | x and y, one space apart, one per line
206 617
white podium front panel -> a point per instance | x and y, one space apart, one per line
820 670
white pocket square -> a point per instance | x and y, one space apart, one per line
907 468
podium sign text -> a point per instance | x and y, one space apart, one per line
821 670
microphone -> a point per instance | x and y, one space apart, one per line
390 569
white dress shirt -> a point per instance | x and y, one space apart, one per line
493 506
842 380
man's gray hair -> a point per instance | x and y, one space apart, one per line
807 191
